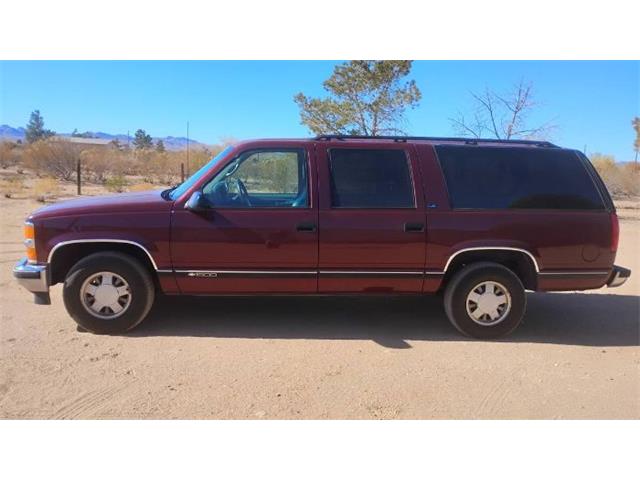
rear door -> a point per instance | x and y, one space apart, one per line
372 218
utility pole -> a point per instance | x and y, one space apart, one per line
78 177
187 148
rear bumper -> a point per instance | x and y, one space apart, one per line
34 278
618 276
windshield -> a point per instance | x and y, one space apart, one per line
193 179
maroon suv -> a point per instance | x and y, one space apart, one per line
479 220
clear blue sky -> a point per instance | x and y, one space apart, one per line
591 102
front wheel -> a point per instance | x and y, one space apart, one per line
485 300
108 292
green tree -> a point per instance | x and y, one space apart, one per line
365 98
142 140
35 128
160 146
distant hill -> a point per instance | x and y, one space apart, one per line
171 143
10 133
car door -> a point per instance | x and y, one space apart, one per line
371 218
259 233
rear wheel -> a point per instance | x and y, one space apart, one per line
485 300
108 292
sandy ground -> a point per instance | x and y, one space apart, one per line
576 356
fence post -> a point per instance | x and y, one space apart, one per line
182 172
78 177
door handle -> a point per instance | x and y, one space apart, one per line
306 227
413 227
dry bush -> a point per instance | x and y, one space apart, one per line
11 187
101 162
9 154
162 168
631 178
46 189
117 184
621 179
199 157
53 157
142 187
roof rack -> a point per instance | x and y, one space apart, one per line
468 141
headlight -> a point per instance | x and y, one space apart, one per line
30 242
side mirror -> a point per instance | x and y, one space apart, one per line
197 202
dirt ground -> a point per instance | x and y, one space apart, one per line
576 356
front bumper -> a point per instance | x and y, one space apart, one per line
34 278
618 276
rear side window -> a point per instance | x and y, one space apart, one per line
497 178
363 178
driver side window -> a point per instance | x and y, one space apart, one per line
269 178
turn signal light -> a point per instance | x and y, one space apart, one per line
30 241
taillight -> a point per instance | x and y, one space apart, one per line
615 232
30 241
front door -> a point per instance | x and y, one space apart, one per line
260 234
372 219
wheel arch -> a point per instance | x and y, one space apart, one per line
65 254
520 261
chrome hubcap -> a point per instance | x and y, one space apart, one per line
105 295
488 303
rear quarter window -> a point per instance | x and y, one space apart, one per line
517 178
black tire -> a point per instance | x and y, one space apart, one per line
464 281
141 288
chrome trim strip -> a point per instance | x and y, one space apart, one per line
471 249
293 273
288 272
604 272
248 273
368 272
101 240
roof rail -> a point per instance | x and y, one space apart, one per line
468 141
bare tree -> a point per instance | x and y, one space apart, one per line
503 116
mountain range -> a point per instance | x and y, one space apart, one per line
171 143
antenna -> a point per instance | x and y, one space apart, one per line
187 148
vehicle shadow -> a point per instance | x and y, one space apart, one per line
557 318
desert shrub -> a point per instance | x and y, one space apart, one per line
141 187
162 168
200 156
621 179
46 189
11 187
117 183
101 162
9 154
630 178
55 158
